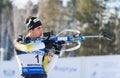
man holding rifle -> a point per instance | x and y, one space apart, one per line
32 51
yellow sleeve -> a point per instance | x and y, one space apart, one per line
24 47
45 62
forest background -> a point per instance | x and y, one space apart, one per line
90 17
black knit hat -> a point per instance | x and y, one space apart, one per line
32 22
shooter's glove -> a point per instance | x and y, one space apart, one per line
58 46
20 39
49 43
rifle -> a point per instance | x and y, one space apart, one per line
76 38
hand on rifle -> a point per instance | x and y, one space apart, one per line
58 46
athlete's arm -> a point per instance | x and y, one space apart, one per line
29 47
24 47
49 63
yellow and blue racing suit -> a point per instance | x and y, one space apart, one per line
32 57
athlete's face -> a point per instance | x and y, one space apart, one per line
36 32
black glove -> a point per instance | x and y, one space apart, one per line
58 46
20 39
49 43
